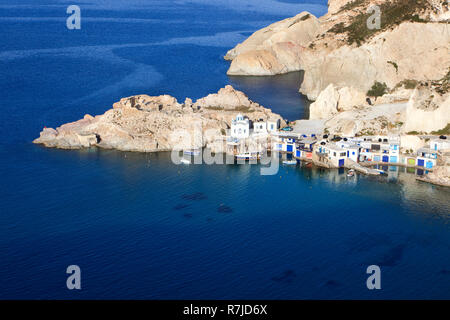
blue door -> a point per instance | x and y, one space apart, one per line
421 162
341 162
290 148
385 159
298 153
348 154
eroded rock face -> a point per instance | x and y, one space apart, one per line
427 111
333 100
416 51
147 124
275 49
336 5
321 47
369 120
326 104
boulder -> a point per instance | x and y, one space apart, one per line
427 111
326 104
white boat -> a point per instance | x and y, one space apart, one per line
185 161
290 162
246 156
192 152
381 171
351 173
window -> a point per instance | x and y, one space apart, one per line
353 153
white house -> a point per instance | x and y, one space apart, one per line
240 127
426 158
440 144
260 127
273 125
330 153
351 149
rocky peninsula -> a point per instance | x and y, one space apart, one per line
148 124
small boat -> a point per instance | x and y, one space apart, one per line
246 156
350 173
290 162
192 152
381 171
185 161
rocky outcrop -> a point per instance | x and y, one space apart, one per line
326 104
427 111
411 51
439 176
333 100
411 143
275 49
147 124
339 49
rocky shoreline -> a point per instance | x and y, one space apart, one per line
395 80
149 124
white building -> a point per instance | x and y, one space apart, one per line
351 149
240 127
260 127
440 144
330 153
273 125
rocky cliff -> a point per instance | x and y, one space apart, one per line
344 58
147 124
411 42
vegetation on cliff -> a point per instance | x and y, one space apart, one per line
392 14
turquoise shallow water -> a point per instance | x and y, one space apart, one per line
142 227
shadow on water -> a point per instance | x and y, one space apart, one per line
279 93
287 276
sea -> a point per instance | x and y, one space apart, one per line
139 226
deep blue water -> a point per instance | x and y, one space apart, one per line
142 227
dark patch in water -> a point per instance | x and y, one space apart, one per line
445 271
287 276
365 242
209 219
195 196
224 209
393 256
180 206
332 284
187 215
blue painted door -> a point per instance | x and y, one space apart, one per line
341 162
421 162
298 153
385 159
290 148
